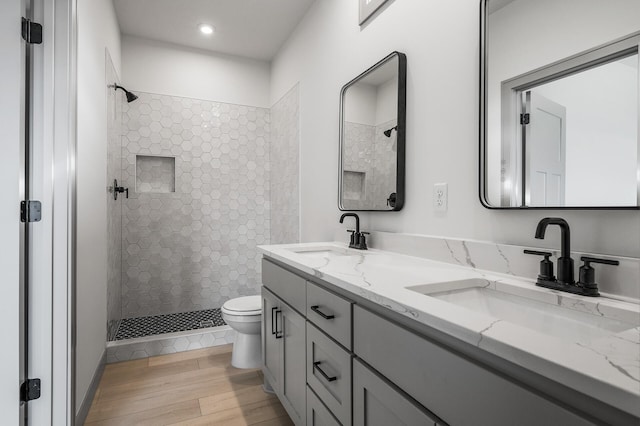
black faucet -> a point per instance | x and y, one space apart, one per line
358 239
565 262
565 281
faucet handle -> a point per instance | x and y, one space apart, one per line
588 275
546 254
546 265
587 260
362 240
352 239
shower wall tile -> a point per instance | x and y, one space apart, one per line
194 248
285 170
114 208
369 155
358 159
384 165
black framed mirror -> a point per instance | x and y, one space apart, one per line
559 104
372 137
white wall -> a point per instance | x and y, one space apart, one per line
10 134
387 101
360 104
158 67
441 42
97 30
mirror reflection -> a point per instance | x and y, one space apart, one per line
372 138
561 103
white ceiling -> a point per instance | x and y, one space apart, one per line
250 28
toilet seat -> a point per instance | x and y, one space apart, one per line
243 306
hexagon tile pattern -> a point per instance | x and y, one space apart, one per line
194 248
369 152
285 175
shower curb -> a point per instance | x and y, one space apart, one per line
169 343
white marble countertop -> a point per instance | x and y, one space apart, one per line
607 368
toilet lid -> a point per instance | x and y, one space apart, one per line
244 305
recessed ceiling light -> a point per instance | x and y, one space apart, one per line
205 29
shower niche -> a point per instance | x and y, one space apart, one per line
155 174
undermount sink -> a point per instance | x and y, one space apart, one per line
323 252
481 296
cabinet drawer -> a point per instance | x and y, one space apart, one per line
284 284
317 413
455 389
330 312
377 403
329 373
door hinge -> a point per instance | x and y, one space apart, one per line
525 118
30 211
31 31
30 390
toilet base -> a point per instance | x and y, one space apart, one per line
246 351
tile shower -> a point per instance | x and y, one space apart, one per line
369 175
200 176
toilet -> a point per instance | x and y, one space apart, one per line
244 315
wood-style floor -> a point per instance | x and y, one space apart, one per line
189 388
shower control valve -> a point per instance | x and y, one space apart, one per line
119 190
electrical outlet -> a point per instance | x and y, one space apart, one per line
440 197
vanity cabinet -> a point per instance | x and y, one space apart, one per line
348 362
284 357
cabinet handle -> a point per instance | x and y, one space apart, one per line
316 365
272 320
322 314
279 334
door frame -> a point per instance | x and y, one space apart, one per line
11 137
51 258
60 110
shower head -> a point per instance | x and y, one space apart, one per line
387 132
130 96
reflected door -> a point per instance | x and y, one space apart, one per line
545 150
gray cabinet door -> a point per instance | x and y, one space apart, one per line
317 413
376 403
292 390
270 345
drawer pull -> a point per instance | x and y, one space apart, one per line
316 365
273 331
278 334
322 314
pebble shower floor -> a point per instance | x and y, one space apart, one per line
130 328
